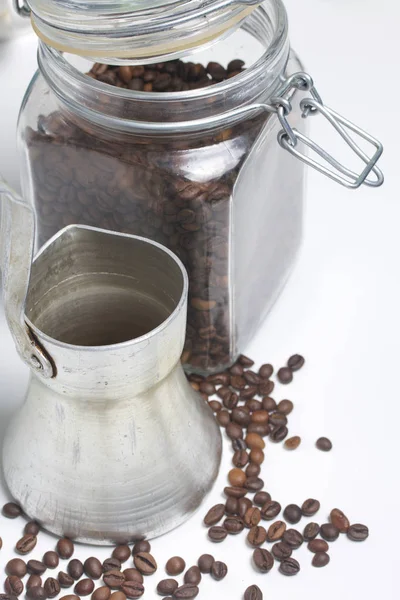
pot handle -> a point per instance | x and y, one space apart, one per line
17 233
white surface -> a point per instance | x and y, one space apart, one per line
340 308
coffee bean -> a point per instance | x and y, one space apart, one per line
111 564
278 419
292 538
237 477
269 404
253 405
186 591
257 456
241 416
118 596
219 379
176 565
33 580
51 559
236 369
231 401
224 392
292 443
254 441
285 376
239 444
260 416
93 568
320 559
253 592
36 567
263 560
324 444
7 597
132 589
253 470
219 570
70 597
217 534
132 574
289 567
141 546
192 575
215 405
75 568
113 578
235 492
329 532
270 510
102 593
265 371
261 498
233 525
207 388
295 362
254 484
278 433
52 587
65 548
145 563
13 585
122 552
251 377
310 507
276 531
32 528
281 551
231 506
249 392
214 515
311 531
26 544
12 510
285 407
238 382
167 587
245 361
16 566
233 431
339 519
243 506
65 580
36 593
205 563
223 418
357 532
318 545
257 535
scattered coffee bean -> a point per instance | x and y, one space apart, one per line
186 591
12 510
118 595
270 510
253 470
266 387
263 560
33 580
32 528
75 569
26 544
93 568
111 564
141 546
240 459
261 498
132 589
167 587
13 585
292 443
122 552
292 513
278 419
36 593
289 566
234 431
235 492
324 444
339 519
8 597
243 506
217 534
16 566
278 433
257 456
70 597
257 536
252 517
218 570
311 531
205 563
310 507
51 559
254 484
223 418
285 375
293 538
36 567
281 551
318 545
237 477
285 407
238 444
295 362
102 593
65 580
176 565
276 531
265 371
207 388
114 579
132 574
320 559
253 592
145 563
269 404
52 587
214 515
233 525
329 532
253 405
65 548
357 532
254 441
192 575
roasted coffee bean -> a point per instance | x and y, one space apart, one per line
251 377
207 388
8 597
141 546
257 456
253 592
33 580
239 444
26 544
234 431
237 477
93 568
253 405
132 589
36 567
205 563
214 515
285 407
357 532
254 441
52 587
233 525
118 596
243 360
218 570
75 568
243 506
320 559
122 553
311 531
278 419
176 565
254 484
292 513
16 566
231 506
51 559
12 510
215 405
292 443
241 416
145 563
223 418
266 387
278 434
111 564
257 535
65 580
238 382
235 492
252 470
265 371
270 510
224 392
167 587
114 579
276 531
293 538
281 551
102 593
295 362
230 402
36 593
285 375
216 534
192 575
263 560
310 507
65 548
85 587
260 416
186 591
132 574
32 528
318 545
269 404
70 597
219 379
289 566
324 444
249 392
236 369
329 532
339 519
13 585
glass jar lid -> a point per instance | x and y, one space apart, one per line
141 31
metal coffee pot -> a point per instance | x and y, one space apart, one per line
111 444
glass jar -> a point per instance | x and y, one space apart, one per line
199 171
10 24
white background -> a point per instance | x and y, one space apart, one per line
340 309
